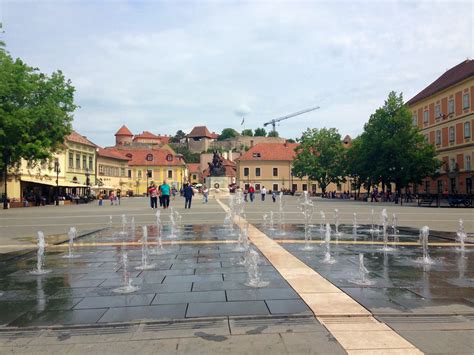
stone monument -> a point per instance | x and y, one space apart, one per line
217 182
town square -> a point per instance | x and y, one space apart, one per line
163 192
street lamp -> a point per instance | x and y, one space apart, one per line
87 182
57 169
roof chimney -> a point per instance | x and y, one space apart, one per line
251 143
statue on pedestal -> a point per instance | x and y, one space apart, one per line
216 168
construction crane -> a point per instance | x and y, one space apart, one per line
275 120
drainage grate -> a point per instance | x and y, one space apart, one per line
348 320
90 331
186 325
15 334
281 321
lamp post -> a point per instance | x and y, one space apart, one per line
57 169
87 182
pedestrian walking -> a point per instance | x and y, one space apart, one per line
111 197
263 192
188 193
251 193
205 194
274 196
153 196
165 194
117 197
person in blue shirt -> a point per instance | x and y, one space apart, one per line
165 194
188 195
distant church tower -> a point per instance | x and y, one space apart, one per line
123 136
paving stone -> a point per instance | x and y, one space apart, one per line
80 316
233 285
237 308
190 297
244 276
12 310
155 312
287 307
253 294
115 282
195 265
115 301
192 278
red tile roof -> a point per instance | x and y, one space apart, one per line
214 135
146 135
452 76
164 139
124 131
194 167
200 131
271 151
111 153
77 138
139 157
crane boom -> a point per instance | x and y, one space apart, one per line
275 120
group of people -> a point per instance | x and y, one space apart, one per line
161 194
250 193
113 197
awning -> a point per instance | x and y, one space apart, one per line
70 184
40 182
103 187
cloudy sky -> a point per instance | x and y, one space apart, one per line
164 66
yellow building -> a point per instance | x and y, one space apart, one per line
270 165
112 171
444 111
151 165
35 183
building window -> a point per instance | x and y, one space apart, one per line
101 169
122 171
194 177
415 120
149 173
170 174
440 186
246 171
84 162
275 171
275 187
467 163
149 157
294 187
139 174
452 164
129 155
71 160
467 129
451 106
78 161
257 187
438 111
465 101
169 157
438 137
305 187
425 117
313 188
90 163
451 134
129 174
427 186
257 171
256 155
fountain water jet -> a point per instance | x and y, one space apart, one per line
336 223
145 265
323 220
127 282
254 279
307 208
72 234
40 256
363 279
461 236
424 235
384 218
328 259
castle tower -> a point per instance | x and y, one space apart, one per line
123 136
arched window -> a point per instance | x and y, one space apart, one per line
129 155
169 157
149 157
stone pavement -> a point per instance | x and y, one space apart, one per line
196 299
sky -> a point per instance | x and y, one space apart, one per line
162 66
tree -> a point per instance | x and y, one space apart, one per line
273 134
178 137
228 133
189 157
35 113
291 140
394 148
260 132
320 156
357 164
247 133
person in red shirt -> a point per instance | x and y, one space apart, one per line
251 193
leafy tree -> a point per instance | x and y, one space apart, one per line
247 132
178 136
396 150
228 133
35 112
273 134
260 132
320 156
189 157
357 164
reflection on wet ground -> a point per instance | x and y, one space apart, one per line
200 280
400 284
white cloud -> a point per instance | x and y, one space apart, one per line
164 66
